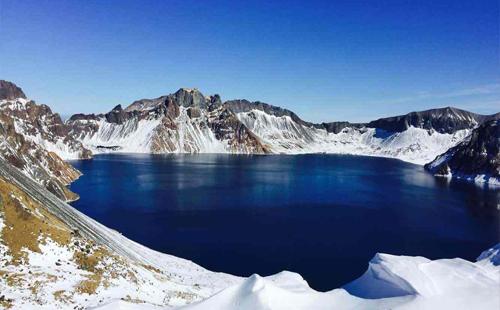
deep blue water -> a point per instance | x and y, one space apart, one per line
324 216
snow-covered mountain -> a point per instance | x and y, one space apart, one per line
284 135
183 122
54 257
34 139
39 124
476 158
445 120
189 122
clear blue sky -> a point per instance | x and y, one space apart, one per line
326 60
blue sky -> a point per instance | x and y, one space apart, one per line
325 60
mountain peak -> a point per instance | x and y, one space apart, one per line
10 91
188 97
188 89
118 108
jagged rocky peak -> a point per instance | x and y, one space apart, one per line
117 108
184 97
443 120
10 91
190 97
477 157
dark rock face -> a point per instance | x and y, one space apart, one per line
10 91
445 120
336 127
119 116
190 98
476 155
226 126
242 105
194 112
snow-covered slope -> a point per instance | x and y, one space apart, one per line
54 257
283 135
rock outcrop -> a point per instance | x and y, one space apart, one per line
35 140
476 158
10 91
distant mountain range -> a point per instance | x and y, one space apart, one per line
189 122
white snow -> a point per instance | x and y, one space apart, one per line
150 136
133 136
391 282
280 134
413 145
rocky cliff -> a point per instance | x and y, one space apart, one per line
476 158
34 139
10 91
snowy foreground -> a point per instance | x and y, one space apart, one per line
391 282
98 268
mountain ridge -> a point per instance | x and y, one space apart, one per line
187 121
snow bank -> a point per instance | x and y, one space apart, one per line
391 282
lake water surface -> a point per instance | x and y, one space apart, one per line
324 216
